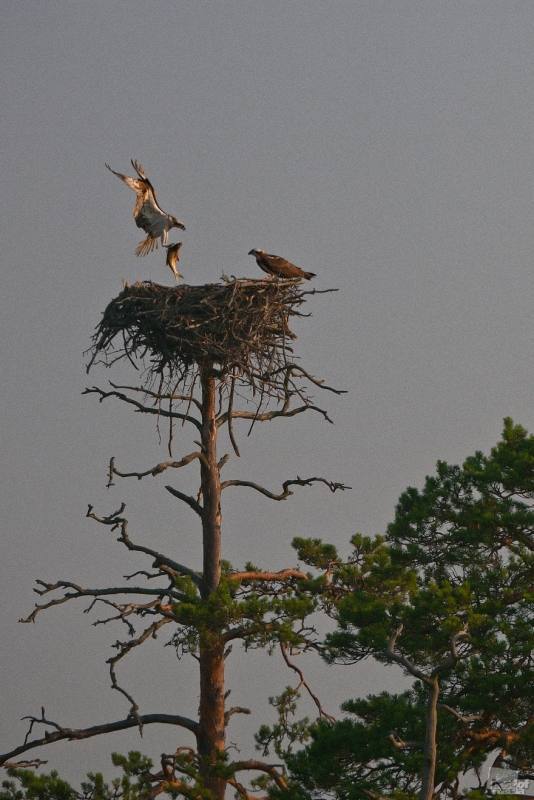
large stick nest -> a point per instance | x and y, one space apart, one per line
242 326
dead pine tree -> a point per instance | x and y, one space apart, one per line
212 356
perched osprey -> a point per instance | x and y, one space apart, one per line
279 267
147 213
173 257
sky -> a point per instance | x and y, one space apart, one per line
387 146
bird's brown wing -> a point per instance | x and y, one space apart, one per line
280 266
138 167
150 191
137 184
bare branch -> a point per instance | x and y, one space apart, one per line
115 520
235 710
230 415
280 382
159 395
222 461
148 575
187 499
286 492
124 610
79 591
295 369
71 734
266 416
140 407
157 470
124 648
304 683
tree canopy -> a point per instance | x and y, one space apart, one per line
447 597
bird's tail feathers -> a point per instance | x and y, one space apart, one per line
146 246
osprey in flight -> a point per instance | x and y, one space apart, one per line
147 213
173 257
279 267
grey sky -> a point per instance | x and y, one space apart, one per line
386 146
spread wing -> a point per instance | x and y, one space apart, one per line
146 208
138 167
149 191
137 184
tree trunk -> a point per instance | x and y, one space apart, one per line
211 735
210 738
430 751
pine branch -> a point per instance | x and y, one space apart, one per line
281 576
465 719
402 660
454 655
253 764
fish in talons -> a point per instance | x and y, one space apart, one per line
147 213
173 257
